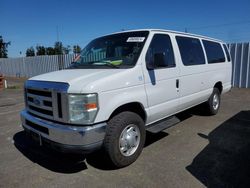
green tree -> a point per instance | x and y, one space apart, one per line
40 50
77 49
30 52
3 48
58 47
50 51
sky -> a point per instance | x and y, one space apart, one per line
29 23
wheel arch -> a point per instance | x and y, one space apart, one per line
135 107
219 86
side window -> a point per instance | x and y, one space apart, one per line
160 44
214 52
227 52
191 51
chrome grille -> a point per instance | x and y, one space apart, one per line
40 103
47 99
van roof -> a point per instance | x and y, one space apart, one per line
170 31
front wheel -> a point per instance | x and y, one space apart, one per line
213 103
125 138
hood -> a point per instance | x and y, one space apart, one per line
91 80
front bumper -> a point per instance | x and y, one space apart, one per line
63 137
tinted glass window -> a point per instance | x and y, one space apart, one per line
191 50
214 52
227 53
161 43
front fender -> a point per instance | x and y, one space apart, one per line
109 101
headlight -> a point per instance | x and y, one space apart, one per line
82 108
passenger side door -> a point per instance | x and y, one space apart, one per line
161 78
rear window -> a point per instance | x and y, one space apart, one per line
214 52
191 51
227 52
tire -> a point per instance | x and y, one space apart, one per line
125 138
213 103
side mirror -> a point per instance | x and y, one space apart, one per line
159 59
150 65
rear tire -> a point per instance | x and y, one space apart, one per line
213 103
125 138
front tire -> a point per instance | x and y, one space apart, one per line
125 138
213 103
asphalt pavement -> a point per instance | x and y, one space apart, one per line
200 151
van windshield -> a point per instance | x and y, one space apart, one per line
113 51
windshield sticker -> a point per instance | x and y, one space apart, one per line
135 39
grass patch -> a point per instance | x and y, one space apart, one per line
13 87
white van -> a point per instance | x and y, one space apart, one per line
123 85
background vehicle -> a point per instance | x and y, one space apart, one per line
122 85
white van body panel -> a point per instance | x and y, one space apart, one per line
120 97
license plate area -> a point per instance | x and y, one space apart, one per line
36 137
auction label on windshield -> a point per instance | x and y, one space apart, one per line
135 39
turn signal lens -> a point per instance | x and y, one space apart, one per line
90 106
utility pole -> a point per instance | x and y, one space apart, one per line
59 57
57 34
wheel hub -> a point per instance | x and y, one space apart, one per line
129 140
215 102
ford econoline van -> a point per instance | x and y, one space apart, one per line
121 86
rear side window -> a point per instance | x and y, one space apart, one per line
214 52
191 50
227 52
161 43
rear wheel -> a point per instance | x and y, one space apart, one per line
213 103
125 138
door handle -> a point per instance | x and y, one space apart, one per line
177 83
